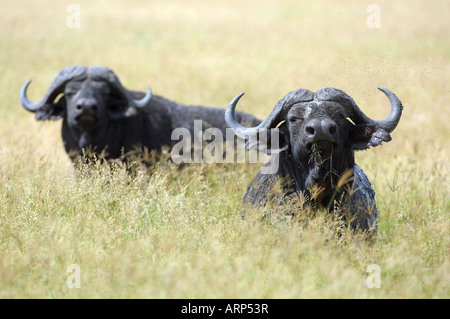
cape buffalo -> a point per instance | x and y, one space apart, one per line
318 134
100 114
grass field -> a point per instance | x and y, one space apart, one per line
178 234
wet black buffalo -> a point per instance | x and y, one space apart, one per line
317 138
100 114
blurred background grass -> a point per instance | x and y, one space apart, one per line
178 234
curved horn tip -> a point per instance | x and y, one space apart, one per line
390 123
230 117
24 87
229 111
236 99
390 94
23 99
382 89
144 101
387 92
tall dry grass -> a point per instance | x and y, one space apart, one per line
177 234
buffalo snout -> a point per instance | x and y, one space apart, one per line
86 109
320 129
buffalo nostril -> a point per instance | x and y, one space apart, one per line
310 130
332 129
87 107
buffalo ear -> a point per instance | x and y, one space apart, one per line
363 136
269 141
52 111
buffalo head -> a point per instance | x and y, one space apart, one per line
318 135
88 99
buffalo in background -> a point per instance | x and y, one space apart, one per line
318 135
99 114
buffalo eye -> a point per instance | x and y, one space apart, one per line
69 94
293 119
